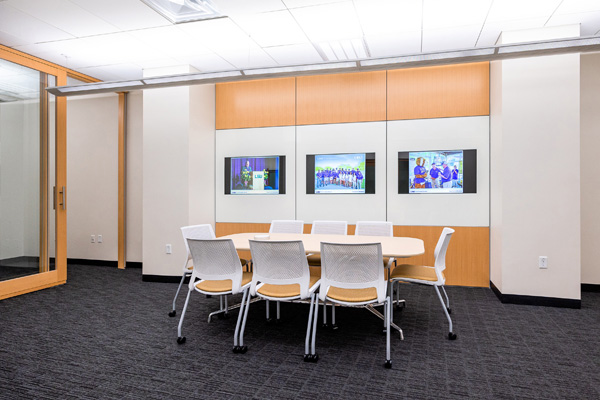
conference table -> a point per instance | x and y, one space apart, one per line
396 247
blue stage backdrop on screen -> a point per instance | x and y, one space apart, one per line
253 175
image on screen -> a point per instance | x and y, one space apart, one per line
435 172
340 173
254 175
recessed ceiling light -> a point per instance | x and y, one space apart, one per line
178 11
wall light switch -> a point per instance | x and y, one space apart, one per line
543 262
168 249
99 238
93 239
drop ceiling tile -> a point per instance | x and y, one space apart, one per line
158 63
450 38
379 17
251 57
124 14
329 22
491 31
170 41
294 54
445 14
589 21
21 25
65 16
394 44
11 41
115 72
206 63
217 34
577 6
510 10
308 3
276 28
237 7
118 48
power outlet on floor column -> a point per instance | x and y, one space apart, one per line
543 262
168 249
93 239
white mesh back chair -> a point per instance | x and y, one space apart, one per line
286 226
433 276
374 228
204 231
281 273
217 271
352 275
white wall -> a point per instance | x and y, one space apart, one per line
133 180
364 137
273 141
535 152
590 178
468 209
178 140
92 146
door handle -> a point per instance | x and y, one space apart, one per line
63 198
54 197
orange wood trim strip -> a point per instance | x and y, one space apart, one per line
437 92
467 259
252 104
355 97
121 184
44 156
39 64
61 180
27 284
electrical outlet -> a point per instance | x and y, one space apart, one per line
93 239
99 238
543 262
168 249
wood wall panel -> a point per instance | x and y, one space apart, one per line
467 259
438 92
254 104
329 99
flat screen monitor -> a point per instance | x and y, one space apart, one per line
255 175
439 171
347 173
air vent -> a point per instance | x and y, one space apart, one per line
340 50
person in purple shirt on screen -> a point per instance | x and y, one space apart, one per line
420 173
455 176
434 173
359 179
446 176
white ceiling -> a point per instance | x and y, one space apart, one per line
117 39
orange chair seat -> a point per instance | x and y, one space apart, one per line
352 295
291 290
419 272
222 285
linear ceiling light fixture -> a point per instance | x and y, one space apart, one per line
300 68
178 11
550 45
103 86
438 56
187 78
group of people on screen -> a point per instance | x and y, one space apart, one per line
439 176
347 178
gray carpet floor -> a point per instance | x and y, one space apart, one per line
106 335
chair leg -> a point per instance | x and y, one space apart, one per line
181 339
447 301
451 335
244 348
325 314
267 310
173 312
239 322
388 313
308 326
278 311
315 356
333 324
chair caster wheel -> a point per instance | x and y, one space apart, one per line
388 364
452 336
449 310
172 313
181 340
236 349
209 296
315 358
243 349
325 326
269 321
306 357
223 316
334 327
